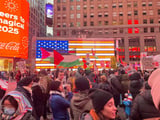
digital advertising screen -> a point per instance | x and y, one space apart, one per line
49 14
14 22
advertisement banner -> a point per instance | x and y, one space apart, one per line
49 14
14 21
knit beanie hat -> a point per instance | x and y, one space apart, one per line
154 82
100 98
55 85
25 81
135 76
82 83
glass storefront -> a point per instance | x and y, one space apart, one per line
6 64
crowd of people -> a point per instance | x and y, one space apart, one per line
83 95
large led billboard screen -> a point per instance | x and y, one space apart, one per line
14 21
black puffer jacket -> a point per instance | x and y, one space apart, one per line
143 107
135 86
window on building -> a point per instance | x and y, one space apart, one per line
159 21
85 15
135 12
129 30
71 7
136 30
92 15
106 32
85 7
114 31
150 44
100 32
72 16
78 15
129 22
129 14
78 0
150 4
58 1
64 0
71 0
85 23
151 21
99 14
58 8
152 29
151 12
120 14
144 13
99 23
71 24
106 15
128 5
84 0
135 21
91 23
158 11
121 30
58 33
114 14
114 6
145 30
59 25
135 4
105 6
114 22
143 4
145 21
99 6
64 25
120 5
64 16
64 8
78 24
121 21
78 7
92 7
105 22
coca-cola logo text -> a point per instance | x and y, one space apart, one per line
10 46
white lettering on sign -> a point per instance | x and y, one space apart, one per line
10 46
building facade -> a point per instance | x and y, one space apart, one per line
134 24
37 27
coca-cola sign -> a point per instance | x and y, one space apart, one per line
14 28
10 46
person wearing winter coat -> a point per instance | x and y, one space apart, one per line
81 101
18 104
104 84
38 99
143 106
45 82
59 105
124 79
104 108
135 84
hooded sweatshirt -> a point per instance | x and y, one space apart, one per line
80 103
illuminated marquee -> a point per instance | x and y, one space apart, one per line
14 18
103 49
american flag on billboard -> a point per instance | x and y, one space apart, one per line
103 49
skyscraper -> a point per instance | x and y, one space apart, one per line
37 27
134 24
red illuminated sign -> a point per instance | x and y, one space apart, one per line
14 18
